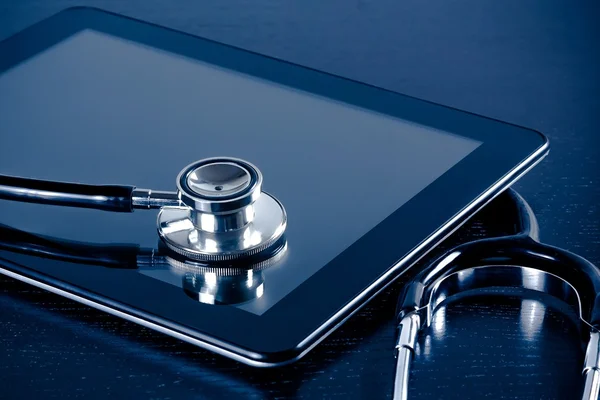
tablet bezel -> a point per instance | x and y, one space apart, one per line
296 323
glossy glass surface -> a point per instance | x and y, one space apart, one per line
99 109
146 122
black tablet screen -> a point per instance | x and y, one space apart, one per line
99 109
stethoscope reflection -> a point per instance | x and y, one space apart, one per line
225 283
213 288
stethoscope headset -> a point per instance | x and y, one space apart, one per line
518 261
220 228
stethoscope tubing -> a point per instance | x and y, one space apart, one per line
218 213
510 255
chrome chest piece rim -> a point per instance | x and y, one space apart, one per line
225 217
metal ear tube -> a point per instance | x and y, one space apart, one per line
512 261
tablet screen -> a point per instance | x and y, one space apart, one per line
100 109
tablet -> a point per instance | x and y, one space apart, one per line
371 180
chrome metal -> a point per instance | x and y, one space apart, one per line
218 213
492 276
408 329
212 216
219 179
213 288
592 353
499 263
240 180
591 368
405 347
178 231
149 259
225 222
148 199
209 284
321 332
487 276
402 375
591 387
184 266
220 193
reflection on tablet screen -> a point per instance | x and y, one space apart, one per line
99 109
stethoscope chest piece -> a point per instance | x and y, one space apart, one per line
224 216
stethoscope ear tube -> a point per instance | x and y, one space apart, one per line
507 261
514 253
522 254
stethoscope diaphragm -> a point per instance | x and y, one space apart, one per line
225 217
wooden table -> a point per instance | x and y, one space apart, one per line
531 62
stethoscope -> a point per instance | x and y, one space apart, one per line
218 231
519 261
219 213
220 217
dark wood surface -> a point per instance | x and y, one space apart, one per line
530 62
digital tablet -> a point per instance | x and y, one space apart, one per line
371 180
